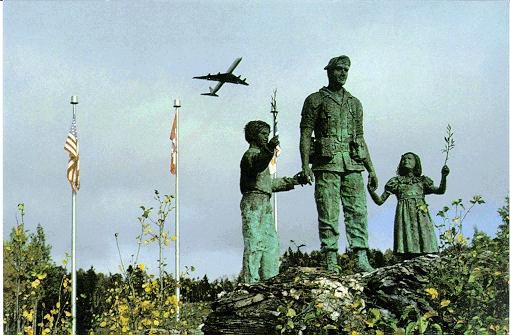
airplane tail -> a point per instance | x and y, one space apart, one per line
211 92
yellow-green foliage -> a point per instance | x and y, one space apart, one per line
137 304
29 307
472 281
37 292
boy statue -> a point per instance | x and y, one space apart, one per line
261 245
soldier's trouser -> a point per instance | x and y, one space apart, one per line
347 187
261 245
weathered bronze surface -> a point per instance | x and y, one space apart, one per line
414 231
338 155
261 245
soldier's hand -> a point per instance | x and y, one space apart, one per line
308 174
372 180
371 187
273 143
300 179
445 171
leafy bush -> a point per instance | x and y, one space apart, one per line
137 304
472 281
36 292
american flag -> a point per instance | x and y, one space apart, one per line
173 138
73 166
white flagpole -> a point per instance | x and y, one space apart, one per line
73 270
275 207
177 105
74 102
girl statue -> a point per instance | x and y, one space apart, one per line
414 233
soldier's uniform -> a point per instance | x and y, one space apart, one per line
337 163
261 244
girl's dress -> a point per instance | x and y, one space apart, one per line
414 232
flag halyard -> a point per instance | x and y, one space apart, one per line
73 165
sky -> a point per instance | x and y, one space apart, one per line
416 67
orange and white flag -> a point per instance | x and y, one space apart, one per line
173 155
272 163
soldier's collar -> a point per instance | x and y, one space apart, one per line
333 96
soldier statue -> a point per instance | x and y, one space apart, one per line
338 154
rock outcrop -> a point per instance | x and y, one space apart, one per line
260 308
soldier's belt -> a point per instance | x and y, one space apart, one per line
327 147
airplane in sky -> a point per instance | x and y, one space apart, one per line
222 78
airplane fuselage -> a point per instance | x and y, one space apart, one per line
224 77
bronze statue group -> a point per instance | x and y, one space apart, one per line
332 142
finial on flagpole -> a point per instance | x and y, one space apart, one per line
74 100
177 103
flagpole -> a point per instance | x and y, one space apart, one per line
275 133
177 105
74 102
73 270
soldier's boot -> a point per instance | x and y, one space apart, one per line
362 264
331 262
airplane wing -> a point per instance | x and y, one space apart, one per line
215 77
234 65
212 91
226 76
208 77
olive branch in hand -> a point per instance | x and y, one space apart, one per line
450 142
273 101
